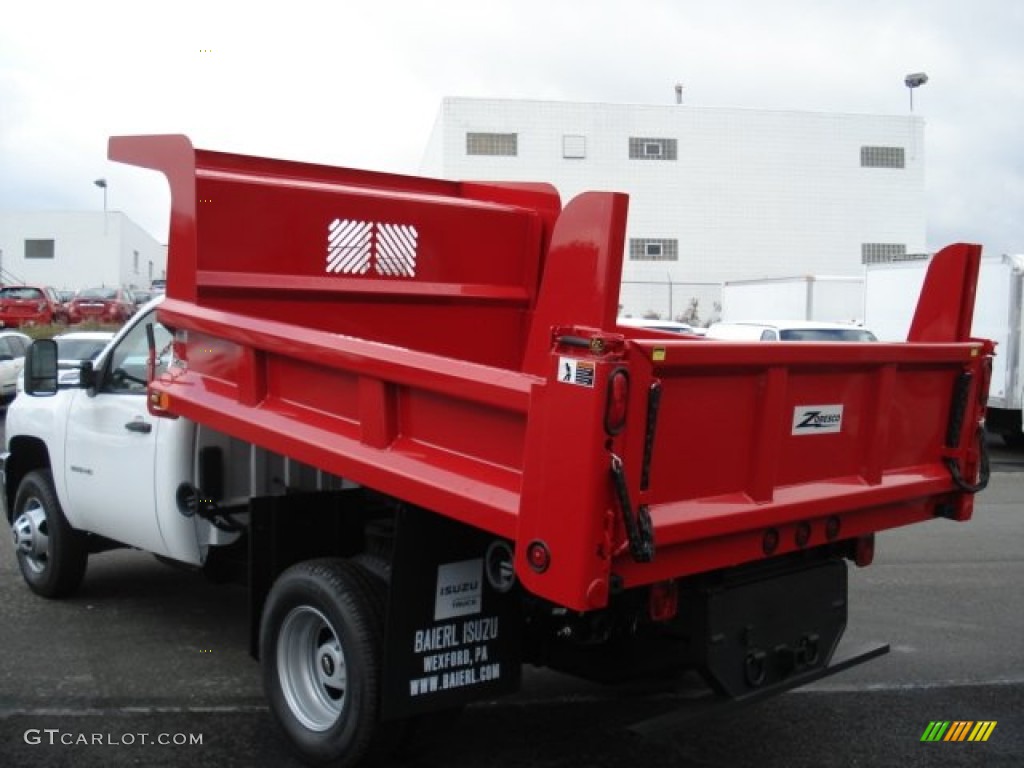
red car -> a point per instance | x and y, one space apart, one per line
30 305
102 305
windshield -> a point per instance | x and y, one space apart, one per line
20 292
826 334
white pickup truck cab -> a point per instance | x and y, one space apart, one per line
87 469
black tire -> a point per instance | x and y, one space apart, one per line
51 555
322 617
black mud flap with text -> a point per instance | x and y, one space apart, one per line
452 636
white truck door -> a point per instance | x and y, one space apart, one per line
111 447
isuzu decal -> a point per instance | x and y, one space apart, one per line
817 419
459 588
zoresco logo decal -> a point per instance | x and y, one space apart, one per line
817 419
958 730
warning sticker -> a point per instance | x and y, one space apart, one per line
578 372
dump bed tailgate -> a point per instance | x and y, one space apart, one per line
762 449
735 453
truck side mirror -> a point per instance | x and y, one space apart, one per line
87 377
41 368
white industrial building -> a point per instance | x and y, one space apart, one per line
716 194
78 249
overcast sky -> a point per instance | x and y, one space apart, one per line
360 83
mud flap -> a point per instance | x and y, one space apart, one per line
452 636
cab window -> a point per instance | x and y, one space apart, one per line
126 367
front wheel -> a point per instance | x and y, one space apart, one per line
321 638
51 555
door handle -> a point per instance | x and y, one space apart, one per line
139 426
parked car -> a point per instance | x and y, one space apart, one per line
795 330
158 286
103 305
30 305
658 325
141 296
12 360
75 347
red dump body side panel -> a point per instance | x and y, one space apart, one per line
453 345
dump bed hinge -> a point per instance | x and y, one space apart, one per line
957 413
639 530
984 470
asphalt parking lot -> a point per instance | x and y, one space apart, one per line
148 654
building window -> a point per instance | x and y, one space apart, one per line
135 262
499 144
881 253
882 157
652 149
574 147
39 249
652 249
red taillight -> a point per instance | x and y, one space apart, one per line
538 556
617 404
663 601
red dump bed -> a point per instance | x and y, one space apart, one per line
454 345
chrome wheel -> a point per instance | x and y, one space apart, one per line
312 670
321 640
51 554
31 536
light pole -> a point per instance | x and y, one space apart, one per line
102 184
912 81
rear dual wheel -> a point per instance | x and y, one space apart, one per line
321 640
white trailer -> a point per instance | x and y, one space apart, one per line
891 291
823 298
